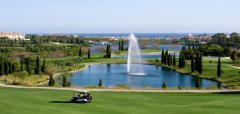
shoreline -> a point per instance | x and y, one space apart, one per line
89 64
56 75
189 74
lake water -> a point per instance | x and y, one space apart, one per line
113 74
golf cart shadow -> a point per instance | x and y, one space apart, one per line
61 102
228 92
65 102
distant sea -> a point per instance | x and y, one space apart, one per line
139 35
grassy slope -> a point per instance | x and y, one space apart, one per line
230 76
29 101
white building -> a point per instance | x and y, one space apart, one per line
12 35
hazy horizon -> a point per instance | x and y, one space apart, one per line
125 16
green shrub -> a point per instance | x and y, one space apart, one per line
21 74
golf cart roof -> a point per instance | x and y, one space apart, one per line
84 91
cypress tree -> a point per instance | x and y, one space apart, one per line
197 82
164 85
37 67
65 81
80 52
119 46
28 68
162 57
166 57
183 60
219 69
43 68
200 64
10 67
197 62
100 83
109 51
174 59
192 63
169 60
122 45
6 68
1 66
89 53
180 60
51 81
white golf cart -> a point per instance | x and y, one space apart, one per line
81 96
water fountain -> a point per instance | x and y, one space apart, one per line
134 64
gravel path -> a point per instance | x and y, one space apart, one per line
233 66
124 90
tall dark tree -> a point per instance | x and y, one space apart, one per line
183 60
162 57
166 57
28 65
6 68
164 85
65 81
10 70
80 52
122 45
100 83
192 64
200 64
89 53
1 66
197 82
51 81
180 60
181 63
174 59
119 46
43 68
108 52
197 62
37 66
219 69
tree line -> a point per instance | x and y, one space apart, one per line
28 65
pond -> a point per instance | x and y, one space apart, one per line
113 74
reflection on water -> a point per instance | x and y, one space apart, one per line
112 74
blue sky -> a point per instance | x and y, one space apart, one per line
104 16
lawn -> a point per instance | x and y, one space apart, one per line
38 101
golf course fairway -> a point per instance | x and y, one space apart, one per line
43 101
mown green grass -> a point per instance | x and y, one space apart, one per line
38 101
